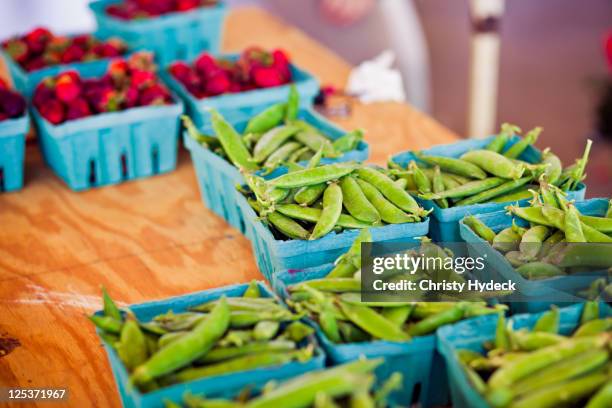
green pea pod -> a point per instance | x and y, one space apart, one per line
437 185
252 290
313 214
499 142
494 163
329 325
398 315
594 327
506 240
393 383
455 166
536 215
519 147
132 346
186 349
261 304
373 323
603 397
110 308
351 333
218 354
309 194
316 141
265 330
514 371
208 141
431 323
573 227
467 189
330 285
494 192
349 141
281 154
548 322
317 175
423 310
423 183
332 207
502 341
609 211
293 104
554 167
287 226
107 323
267 119
361 398
389 213
350 262
590 311
539 270
532 240
315 160
563 394
272 140
601 224
232 143
356 203
295 156
592 235
393 193
515 258
521 193
297 331
479 228
168 338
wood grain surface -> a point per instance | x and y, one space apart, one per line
143 240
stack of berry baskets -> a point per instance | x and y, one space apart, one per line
118 124
238 86
14 124
40 53
172 29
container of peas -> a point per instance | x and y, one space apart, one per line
207 342
14 125
483 176
284 134
553 249
402 333
309 215
557 358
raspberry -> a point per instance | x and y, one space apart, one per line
67 86
53 111
78 108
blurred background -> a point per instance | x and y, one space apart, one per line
552 72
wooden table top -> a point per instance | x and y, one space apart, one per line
143 240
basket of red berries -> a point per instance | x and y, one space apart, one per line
14 125
173 29
40 53
238 86
118 125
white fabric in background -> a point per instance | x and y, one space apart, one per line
376 80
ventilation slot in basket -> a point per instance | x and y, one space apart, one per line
92 172
155 160
124 167
416 394
1 179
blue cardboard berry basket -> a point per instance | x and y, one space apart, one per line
25 82
274 255
473 333
564 288
132 397
445 221
218 178
181 35
241 106
12 152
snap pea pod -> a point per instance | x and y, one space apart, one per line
519 147
479 228
297 331
362 399
287 226
272 140
425 309
317 175
186 349
398 315
332 207
372 322
499 142
530 341
531 241
423 183
168 338
252 290
267 119
564 370
594 327
261 304
539 270
132 346
313 214
208 141
437 186
562 394
293 104
573 227
506 240
107 323
315 141
601 224
494 163
502 340
590 311
389 213
349 262
232 143
401 183
603 397
309 194
535 215
431 323
218 354
452 165
280 155
110 309
548 322
515 258
467 189
519 194
356 203
330 285
296 155
265 330
494 192
609 210
349 141
393 193
592 235
554 167
514 371
329 324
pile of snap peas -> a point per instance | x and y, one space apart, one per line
543 368
272 138
494 174
230 334
334 302
553 243
347 385
308 203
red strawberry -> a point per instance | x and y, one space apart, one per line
235 87
142 60
205 63
53 111
51 57
3 116
37 39
44 91
58 44
267 77
118 69
141 79
34 64
12 103
73 53
17 50
78 108
109 101
67 86
186 5
156 94
217 84
85 41
3 84
131 97
280 61
180 70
